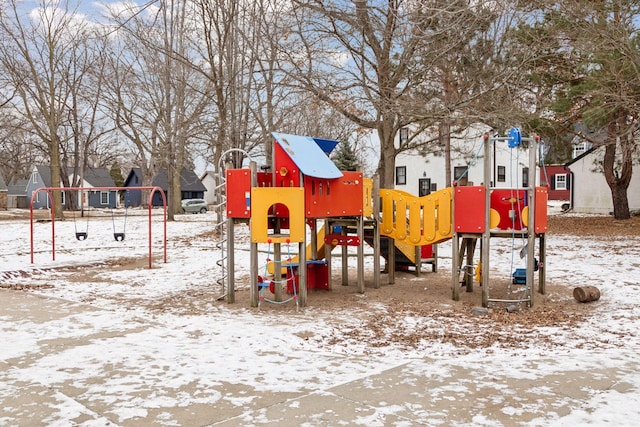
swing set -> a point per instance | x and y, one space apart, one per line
82 235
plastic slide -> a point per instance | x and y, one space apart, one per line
308 252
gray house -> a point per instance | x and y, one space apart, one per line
16 195
93 177
190 186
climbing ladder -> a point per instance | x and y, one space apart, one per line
221 231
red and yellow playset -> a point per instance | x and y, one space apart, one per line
303 186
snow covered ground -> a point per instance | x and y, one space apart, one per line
178 337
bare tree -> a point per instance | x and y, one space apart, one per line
156 97
358 57
18 148
37 56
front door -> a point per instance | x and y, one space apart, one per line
424 186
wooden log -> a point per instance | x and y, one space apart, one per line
586 293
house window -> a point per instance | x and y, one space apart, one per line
401 175
404 135
502 173
35 178
434 187
424 186
459 175
561 182
525 177
104 197
580 148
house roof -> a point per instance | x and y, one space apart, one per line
189 181
45 175
580 157
134 172
208 172
97 177
18 187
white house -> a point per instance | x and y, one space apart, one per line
421 174
590 192
209 181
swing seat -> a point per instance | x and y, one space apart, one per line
520 276
119 237
81 235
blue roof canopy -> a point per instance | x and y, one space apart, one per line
309 155
327 145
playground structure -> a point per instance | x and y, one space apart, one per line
83 234
304 186
500 213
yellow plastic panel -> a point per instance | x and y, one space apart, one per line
494 218
262 198
428 218
367 194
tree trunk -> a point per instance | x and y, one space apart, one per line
620 201
586 293
387 162
618 180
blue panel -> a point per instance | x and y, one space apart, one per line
308 156
327 145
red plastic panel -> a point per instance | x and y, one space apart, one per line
509 203
238 193
286 172
265 179
540 213
426 251
334 197
340 240
469 209
317 277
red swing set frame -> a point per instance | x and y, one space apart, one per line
48 191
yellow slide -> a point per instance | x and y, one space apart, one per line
295 259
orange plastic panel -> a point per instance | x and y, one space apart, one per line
238 193
469 209
334 197
540 213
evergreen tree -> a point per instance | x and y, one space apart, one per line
116 175
345 158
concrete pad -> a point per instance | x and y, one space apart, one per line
37 386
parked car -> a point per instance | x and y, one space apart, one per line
194 206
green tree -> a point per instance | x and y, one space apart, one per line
587 57
345 158
116 174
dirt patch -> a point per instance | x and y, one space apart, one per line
410 311
593 225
